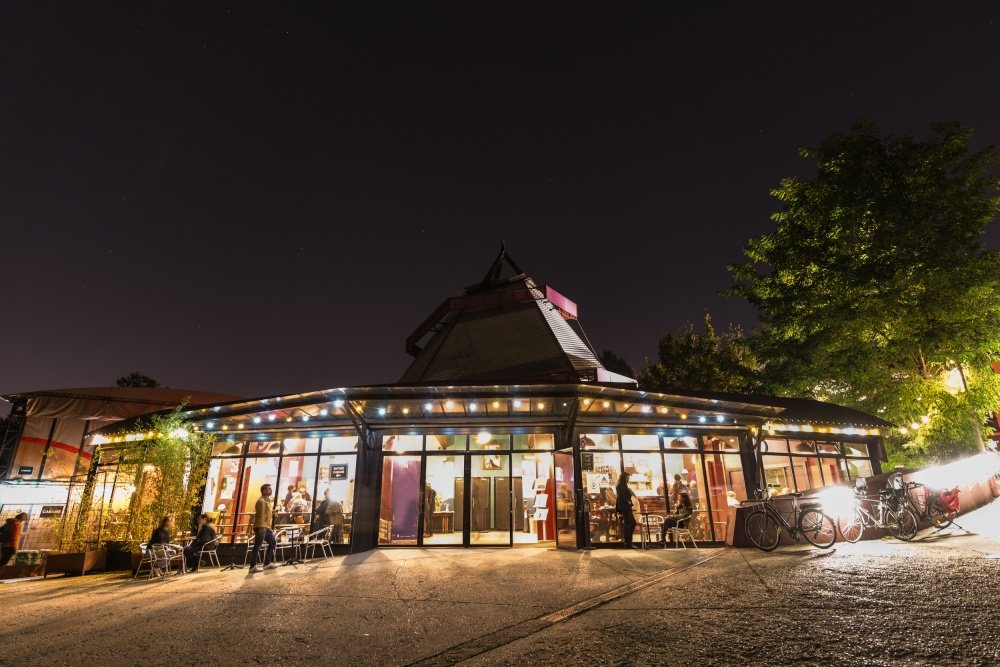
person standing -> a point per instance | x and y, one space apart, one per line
623 505
262 532
11 537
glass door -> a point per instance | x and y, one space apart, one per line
399 510
490 503
564 504
444 496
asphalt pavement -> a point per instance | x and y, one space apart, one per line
929 602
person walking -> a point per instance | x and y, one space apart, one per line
623 505
11 537
262 532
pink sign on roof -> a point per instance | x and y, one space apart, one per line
561 302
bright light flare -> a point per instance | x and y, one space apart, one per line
837 501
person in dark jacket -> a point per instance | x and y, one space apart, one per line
678 519
623 505
11 537
161 536
206 533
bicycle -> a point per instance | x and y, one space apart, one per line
764 524
901 524
932 508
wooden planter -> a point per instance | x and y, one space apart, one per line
76 563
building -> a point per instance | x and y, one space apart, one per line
45 445
507 430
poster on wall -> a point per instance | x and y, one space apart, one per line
338 470
595 481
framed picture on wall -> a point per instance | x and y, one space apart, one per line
493 462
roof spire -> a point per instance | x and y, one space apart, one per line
497 267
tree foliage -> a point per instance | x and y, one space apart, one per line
874 287
708 361
137 379
161 472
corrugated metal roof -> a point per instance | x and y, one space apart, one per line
521 341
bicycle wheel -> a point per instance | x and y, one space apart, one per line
763 531
851 527
937 513
901 525
817 528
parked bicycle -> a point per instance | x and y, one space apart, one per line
764 524
887 513
929 504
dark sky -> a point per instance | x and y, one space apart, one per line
262 200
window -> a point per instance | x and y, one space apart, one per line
295 502
403 443
399 507
340 443
220 494
646 480
335 492
598 441
256 472
446 442
600 474
649 442
684 473
487 440
534 441
679 442
301 445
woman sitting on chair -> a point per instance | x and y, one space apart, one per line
678 519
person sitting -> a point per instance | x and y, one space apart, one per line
320 518
678 519
161 535
206 533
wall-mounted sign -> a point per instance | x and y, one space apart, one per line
338 470
51 512
587 460
25 470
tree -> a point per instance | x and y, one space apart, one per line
874 290
710 361
137 379
616 364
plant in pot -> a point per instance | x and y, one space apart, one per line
135 480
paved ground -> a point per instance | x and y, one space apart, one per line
931 602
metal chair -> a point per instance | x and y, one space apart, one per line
251 545
321 539
285 539
652 524
210 549
681 533
147 559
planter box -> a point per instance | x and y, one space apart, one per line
76 563
120 558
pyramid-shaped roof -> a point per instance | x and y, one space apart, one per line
504 329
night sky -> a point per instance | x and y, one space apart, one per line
266 200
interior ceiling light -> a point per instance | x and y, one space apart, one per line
483 437
496 404
428 406
473 406
381 412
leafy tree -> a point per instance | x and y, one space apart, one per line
874 289
709 361
616 364
137 379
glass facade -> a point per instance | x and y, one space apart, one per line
312 489
795 464
480 488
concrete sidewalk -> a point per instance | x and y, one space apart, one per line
382 607
928 602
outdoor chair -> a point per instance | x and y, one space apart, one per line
164 556
682 533
321 539
147 560
251 544
210 549
287 539
651 527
